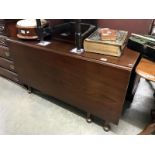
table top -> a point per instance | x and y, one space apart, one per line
126 61
146 69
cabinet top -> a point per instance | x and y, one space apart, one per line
126 61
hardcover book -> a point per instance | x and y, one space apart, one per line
145 44
114 48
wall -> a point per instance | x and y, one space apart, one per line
140 26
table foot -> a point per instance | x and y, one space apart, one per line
106 126
88 119
29 89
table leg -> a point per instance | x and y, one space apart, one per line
29 89
106 126
149 129
88 119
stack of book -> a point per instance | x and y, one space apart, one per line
106 41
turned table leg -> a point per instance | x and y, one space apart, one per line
106 126
29 89
88 119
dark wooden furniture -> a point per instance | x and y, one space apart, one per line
95 83
146 69
7 69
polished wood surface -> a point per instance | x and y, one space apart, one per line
126 61
146 69
85 81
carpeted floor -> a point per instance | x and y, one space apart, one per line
23 113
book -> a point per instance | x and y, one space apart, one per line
114 48
144 38
145 44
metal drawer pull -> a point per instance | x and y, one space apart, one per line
1 28
2 42
7 54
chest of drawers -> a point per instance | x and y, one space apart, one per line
7 68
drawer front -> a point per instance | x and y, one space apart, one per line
4 52
9 75
7 64
3 40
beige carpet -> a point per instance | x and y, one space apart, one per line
23 113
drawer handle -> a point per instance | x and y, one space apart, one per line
7 54
12 67
1 28
2 42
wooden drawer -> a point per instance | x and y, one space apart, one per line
7 64
8 74
4 52
3 40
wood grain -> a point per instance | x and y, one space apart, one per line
83 81
146 69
